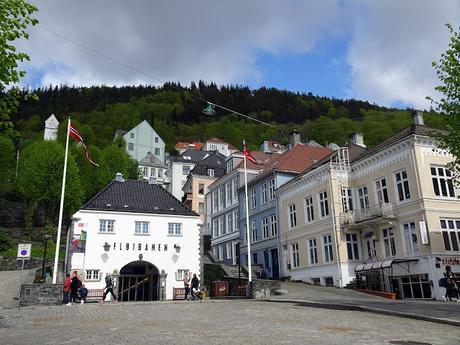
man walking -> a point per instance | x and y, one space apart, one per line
108 288
186 285
75 284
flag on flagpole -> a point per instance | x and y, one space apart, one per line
74 133
248 154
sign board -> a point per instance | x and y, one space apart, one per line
424 233
24 251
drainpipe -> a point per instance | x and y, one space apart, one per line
337 252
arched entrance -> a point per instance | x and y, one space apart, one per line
138 281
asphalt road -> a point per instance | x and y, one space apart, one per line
212 322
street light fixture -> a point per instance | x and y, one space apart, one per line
106 247
46 237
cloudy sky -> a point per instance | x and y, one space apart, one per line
380 51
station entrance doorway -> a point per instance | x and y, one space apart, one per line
138 281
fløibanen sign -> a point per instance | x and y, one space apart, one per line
151 247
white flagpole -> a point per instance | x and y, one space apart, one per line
247 215
61 207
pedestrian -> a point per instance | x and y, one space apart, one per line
108 288
83 293
66 289
75 284
450 285
186 285
195 286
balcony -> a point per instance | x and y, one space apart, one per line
372 214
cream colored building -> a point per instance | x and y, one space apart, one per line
388 215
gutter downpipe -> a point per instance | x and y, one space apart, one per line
334 228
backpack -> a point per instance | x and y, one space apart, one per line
443 282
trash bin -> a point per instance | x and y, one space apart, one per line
219 288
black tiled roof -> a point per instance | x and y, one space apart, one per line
137 197
195 156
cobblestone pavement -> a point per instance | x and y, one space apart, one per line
428 308
211 322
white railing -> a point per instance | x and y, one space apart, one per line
384 210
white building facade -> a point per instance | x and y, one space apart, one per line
147 246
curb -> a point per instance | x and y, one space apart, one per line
352 307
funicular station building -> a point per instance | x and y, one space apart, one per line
140 235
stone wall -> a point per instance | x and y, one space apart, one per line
45 294
261 288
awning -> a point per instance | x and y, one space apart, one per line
380 264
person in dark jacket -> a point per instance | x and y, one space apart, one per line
74 286
195 287
83 293
108 288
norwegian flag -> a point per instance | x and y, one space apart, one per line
74 133
248 154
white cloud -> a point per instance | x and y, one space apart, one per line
216 41
393 45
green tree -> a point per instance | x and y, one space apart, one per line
15 17
7 160
40 178
448 72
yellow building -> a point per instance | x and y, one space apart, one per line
388 217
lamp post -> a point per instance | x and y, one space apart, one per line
46 237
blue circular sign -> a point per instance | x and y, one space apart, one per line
24 252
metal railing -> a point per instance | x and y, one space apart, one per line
383 210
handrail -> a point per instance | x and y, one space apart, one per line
385 210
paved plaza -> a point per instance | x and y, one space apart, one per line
212 322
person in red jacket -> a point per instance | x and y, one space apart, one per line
66 289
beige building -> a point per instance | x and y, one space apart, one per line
388 216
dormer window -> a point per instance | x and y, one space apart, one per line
211 172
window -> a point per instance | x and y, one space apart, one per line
201 207
382 191
145 171
130 146
264 193
369 239
106 225
254 231
157 151
313 251
254 259
442 182
389 242
156 140
236 219
295 256
211 172
229 166
450 230
309 209
229 222
221 226
271 193
273 225
215 201
221 252
228 248
131 135
292 216
347 199
352 246
153 172
323 204
327 243
265 227
222 197
215 229
363 198
175 229
92 275
229 193
185 169
142 228
328 281
402 185
253 199
410 238
180 274
201 188
235 190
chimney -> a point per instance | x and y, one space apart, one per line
119 177
295 138
152 180
357 139
417 117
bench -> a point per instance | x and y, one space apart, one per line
178 293
94 295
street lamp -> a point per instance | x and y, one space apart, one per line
46 237
106 247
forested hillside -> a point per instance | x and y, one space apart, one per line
176 113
